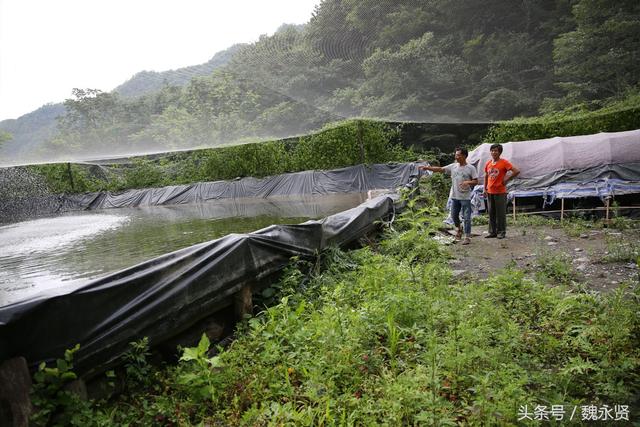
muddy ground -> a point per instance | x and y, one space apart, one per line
598 258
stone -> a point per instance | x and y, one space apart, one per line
243 302
552 243
15 385
549 238
578 250
584 236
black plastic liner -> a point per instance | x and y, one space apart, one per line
166 295
353 179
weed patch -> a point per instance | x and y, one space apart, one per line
555 269
622 250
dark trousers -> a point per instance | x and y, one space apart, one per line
497 207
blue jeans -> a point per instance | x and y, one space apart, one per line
465 206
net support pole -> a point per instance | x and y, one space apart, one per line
361 142
606 206
561 210
514 208
70 174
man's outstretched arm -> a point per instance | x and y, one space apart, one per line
431 168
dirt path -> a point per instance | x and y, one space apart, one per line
601 259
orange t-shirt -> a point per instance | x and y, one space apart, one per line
495 173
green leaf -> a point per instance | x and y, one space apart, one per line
203 345
190 353
62 365
215 362
68 376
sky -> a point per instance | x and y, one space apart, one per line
49 47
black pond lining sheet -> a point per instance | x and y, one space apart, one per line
164 296
353 179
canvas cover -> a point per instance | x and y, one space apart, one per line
546 162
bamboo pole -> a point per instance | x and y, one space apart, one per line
577 210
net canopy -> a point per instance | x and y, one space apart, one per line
436 61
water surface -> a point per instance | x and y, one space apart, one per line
49 254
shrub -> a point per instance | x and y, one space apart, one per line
620 116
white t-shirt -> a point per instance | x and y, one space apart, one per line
458 175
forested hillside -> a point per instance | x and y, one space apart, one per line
146 82
29 132
436 61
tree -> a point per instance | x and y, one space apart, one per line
4 137
599 59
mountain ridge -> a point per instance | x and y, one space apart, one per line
32 129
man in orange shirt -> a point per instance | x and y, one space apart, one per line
495 191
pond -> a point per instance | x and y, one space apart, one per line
69 249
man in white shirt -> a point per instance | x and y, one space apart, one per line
463 178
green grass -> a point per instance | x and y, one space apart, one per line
555 268
375 341
620 249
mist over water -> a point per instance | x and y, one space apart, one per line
55 254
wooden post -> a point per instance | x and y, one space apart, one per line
561 210
577 210
15 386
